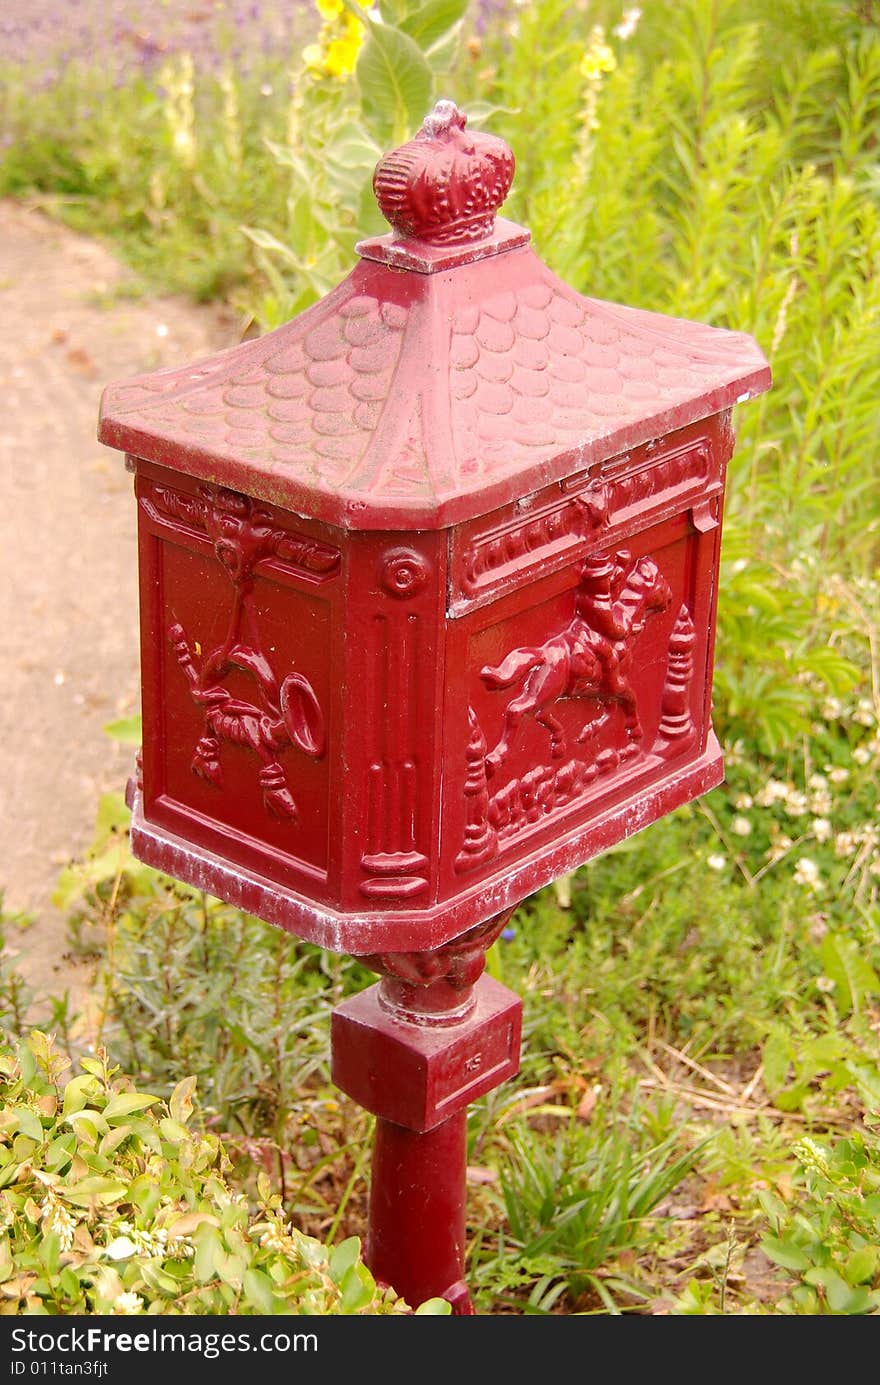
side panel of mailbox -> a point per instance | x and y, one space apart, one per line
580 650
241 611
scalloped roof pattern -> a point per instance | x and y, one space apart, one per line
407 400
312 405
544 370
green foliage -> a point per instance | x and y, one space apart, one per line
337 131
578 1200
829 1240
191 987
113 1204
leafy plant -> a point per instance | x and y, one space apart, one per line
831 1238
113 1204
575 1203
193 987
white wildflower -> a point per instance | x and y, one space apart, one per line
128 1303
57 1218
806 873
735 754
741 827
275 1237
820 802
795 803
824 984
628 23
864 713
811 1154
862 755
832 708
716 862
838 775
744 802
846 844
822 829
774 791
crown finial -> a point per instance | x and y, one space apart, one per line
445 185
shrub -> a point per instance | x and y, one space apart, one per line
112 1203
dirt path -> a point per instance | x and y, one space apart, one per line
68 581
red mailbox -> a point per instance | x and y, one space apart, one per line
428 581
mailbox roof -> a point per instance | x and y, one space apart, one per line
434 384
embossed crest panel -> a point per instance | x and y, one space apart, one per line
238 699
583 690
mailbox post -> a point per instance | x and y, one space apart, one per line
428 581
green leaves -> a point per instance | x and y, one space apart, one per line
125 1103
797 1067
339 132
433 22
129 730
180 1103
395 82
146 1212
853 976
94 1190
829 1238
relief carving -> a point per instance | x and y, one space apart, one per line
677 731
394 866
588 660
480 840
404 572
685 467
284 713
444 186
235 522
550 531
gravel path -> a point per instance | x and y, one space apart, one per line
68 580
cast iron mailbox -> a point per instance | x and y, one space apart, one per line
428 583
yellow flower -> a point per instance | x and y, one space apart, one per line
342 52
339 43
599 58
330 9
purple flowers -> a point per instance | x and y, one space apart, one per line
131 38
